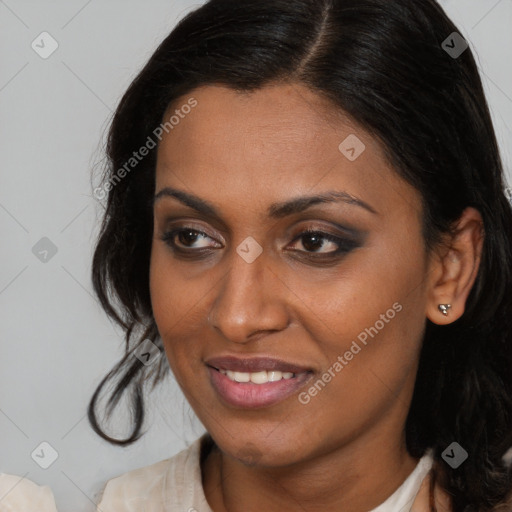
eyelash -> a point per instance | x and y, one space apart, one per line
345 245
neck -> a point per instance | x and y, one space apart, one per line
357 477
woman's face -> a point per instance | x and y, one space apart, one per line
336 316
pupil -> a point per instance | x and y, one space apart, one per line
314 245
188 237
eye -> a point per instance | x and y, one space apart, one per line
190 241
314 240
183 239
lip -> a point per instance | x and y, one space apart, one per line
254 364
248 395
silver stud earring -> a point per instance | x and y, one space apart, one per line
444 308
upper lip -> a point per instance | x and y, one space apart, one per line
254 364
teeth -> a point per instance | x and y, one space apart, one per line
257 377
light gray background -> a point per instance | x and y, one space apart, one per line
56 343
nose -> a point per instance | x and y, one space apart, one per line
251 301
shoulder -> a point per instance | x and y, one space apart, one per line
172 482
19 493
128 490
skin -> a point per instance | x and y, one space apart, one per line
345 449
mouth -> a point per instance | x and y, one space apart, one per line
255 382
261 377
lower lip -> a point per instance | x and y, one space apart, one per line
251 396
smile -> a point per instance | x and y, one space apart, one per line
256 389
261 377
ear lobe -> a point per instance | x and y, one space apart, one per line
455 268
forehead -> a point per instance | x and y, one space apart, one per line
252 148
280 119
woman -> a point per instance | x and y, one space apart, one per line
306 211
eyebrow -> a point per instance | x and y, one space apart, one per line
275 210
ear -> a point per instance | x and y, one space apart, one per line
453 268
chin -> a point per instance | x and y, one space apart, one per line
262 451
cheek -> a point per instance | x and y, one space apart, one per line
371 312
178 308
381 287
